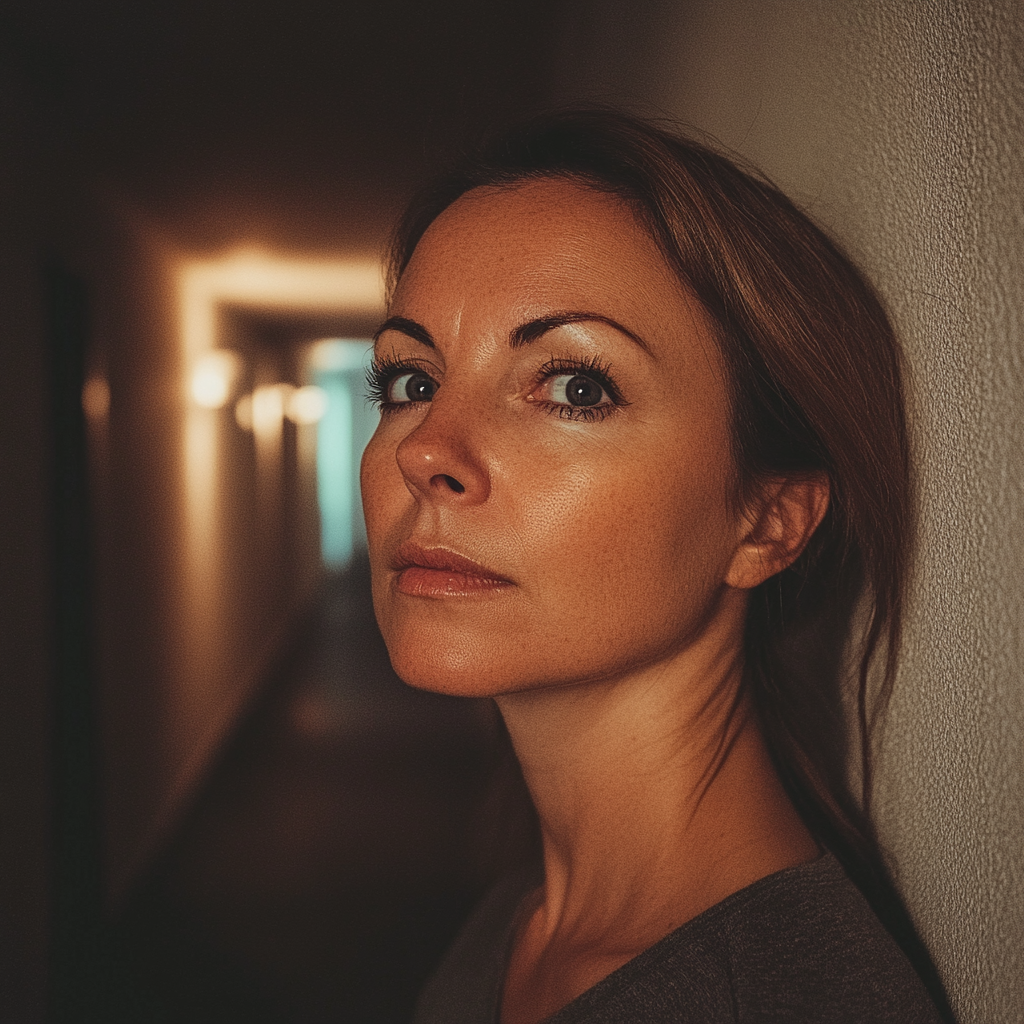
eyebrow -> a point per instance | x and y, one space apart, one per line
408 327
522 335
533 329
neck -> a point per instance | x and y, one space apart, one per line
655 792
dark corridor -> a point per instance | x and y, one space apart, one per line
330 855
187 838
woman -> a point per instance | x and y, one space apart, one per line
642 450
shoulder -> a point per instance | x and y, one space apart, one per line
800 945
805 945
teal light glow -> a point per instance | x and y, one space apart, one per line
339 367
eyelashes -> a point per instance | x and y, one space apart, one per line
386 370
585 371
383 371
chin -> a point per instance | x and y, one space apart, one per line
462 649
448 664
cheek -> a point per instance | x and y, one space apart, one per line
635 536
620 565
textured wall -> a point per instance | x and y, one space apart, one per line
900 126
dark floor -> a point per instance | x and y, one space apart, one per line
331 854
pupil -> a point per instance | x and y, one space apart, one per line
419 388
583 391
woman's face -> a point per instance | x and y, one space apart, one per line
548 493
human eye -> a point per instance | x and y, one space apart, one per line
577 390
393 383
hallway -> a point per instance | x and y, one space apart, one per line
330 854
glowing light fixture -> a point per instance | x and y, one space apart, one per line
251 280
307 404
268 406
214 374
96 398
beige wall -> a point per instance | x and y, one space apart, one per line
900 126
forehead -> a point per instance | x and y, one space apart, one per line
543 244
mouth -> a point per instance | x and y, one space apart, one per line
438 572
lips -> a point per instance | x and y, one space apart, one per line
438 572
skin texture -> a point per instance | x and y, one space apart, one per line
607 618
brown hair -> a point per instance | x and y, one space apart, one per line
816 378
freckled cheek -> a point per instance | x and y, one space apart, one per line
609 536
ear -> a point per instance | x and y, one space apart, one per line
778 527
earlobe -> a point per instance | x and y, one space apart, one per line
779 526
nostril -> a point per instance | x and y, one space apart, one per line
453 484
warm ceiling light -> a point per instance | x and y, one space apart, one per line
307 405
214 375
254 280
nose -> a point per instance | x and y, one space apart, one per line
443 457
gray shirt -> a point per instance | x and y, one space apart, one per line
798 945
